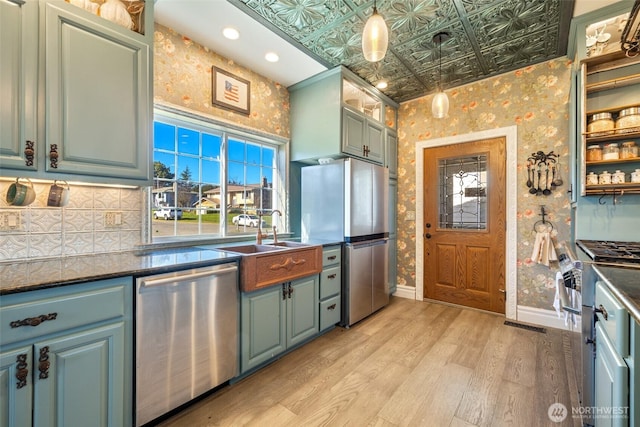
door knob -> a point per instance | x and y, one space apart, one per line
428 235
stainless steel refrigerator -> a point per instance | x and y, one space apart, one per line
346 200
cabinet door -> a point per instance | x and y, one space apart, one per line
263 326
19 82
302 310
611 381
80 379
98 104
374 137
353 133
391 157
16 387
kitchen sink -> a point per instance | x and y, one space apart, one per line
271 264
251 249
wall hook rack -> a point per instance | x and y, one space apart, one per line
543 175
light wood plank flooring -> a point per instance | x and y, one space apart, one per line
411 364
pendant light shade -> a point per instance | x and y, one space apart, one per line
375 37
440 104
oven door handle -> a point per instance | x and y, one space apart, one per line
602 310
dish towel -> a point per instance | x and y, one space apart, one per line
561 299
544 250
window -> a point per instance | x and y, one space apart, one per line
222 180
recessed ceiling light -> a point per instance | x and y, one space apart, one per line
272 57
231 33
382 84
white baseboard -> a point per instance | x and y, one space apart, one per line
408 292
543 317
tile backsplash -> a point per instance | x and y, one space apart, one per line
78 228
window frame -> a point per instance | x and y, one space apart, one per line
201 123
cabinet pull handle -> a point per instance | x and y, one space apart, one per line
33 321
53 156
21 370
29 152
602 310
284 291
331 258
290 290
331 276
43 363
331 307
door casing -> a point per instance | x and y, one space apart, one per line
510 133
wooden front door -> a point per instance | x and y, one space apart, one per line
465 224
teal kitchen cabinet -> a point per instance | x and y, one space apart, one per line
336 114
393 236
612 352
19 81
277 318
330 287
92 90
66 355
391 157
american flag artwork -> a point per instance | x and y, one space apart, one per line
231 91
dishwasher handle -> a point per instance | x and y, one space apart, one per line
148 283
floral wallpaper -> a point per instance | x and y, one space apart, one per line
182 78
536 99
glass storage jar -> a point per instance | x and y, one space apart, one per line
611 151
594 153
628 120
629 150
601 124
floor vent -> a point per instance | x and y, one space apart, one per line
527 327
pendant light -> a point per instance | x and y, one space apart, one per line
440 104
375 37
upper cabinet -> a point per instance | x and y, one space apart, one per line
607 104
81 91
610 125
336 114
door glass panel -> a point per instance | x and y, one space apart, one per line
463 192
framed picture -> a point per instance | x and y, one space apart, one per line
230 92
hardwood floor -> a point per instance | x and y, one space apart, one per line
411 364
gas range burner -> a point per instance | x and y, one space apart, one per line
611 251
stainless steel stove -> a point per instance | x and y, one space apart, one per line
611 252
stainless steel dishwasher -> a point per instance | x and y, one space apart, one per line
186 336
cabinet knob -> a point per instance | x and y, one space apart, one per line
29 153
53 156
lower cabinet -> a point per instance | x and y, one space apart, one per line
277 318
65 356
330 287
612 381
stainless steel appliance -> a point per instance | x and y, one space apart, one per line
346 200
186 336
593 252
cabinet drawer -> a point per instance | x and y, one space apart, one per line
615 322
330 281
29 315
331 256
329 312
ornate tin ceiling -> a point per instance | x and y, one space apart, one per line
488 37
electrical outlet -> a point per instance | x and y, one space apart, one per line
113 219
10 220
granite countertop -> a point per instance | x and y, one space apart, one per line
624 283
27 275
20 276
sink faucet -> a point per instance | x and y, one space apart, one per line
260 235
273 226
